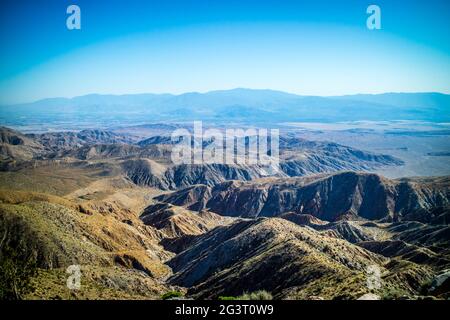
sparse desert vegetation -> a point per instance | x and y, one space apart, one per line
140 227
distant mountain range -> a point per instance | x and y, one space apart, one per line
238 105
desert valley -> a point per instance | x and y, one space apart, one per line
110 201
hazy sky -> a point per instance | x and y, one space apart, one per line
306 47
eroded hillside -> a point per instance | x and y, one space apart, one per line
139 226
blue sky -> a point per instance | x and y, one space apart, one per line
306 47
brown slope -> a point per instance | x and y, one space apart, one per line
119 258
15 146
176 222
269 254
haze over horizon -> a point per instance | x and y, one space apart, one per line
320 48
215 91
